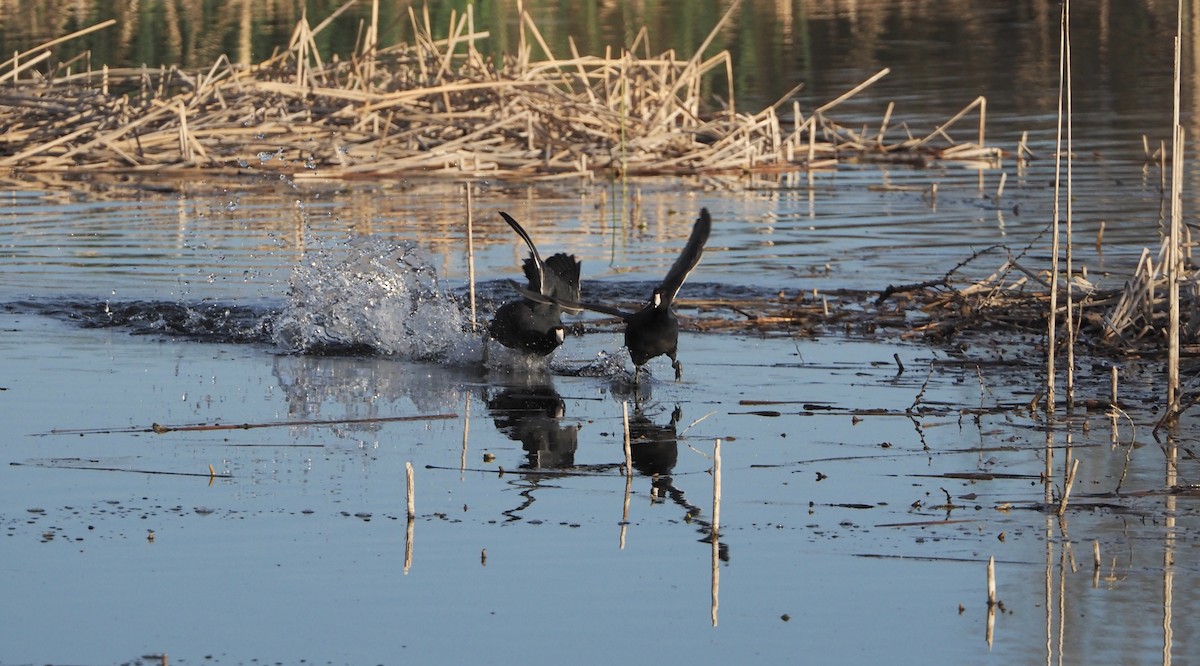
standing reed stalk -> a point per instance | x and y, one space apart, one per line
1175 251
1070 319
991 581
471 256
628 444
410 493
1052 315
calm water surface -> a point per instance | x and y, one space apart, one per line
846 526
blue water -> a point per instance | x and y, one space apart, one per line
830 518
324 312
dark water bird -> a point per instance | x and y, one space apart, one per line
654 331
533 324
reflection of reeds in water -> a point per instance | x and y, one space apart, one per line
716 531
411 512
435 106
1133 313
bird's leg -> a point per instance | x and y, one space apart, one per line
677 365
637 374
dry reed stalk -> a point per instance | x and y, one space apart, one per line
628 444
45 46
466 431
1068 484
1175 252
991 581
19 66
1113 391
1052 315
410 491
716 471
1070 292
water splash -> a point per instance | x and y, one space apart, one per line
374 296
605 365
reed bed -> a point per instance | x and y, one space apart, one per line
1014 299
437 106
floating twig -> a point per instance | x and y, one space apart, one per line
162 429
210 474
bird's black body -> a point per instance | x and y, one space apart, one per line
535 326
652 331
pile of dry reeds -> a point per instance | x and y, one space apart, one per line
435 106
1129 320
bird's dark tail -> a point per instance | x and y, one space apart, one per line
565 269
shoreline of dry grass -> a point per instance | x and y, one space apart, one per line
437 107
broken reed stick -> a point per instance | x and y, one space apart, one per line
991 581
940 130
19 67
45 46
410 492
716 519
1112 396
466 429
628 446
1062 505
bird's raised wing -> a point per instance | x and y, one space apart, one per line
687 259
535 270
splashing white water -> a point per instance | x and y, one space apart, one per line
376 295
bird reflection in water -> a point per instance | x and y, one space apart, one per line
532 414
655 452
